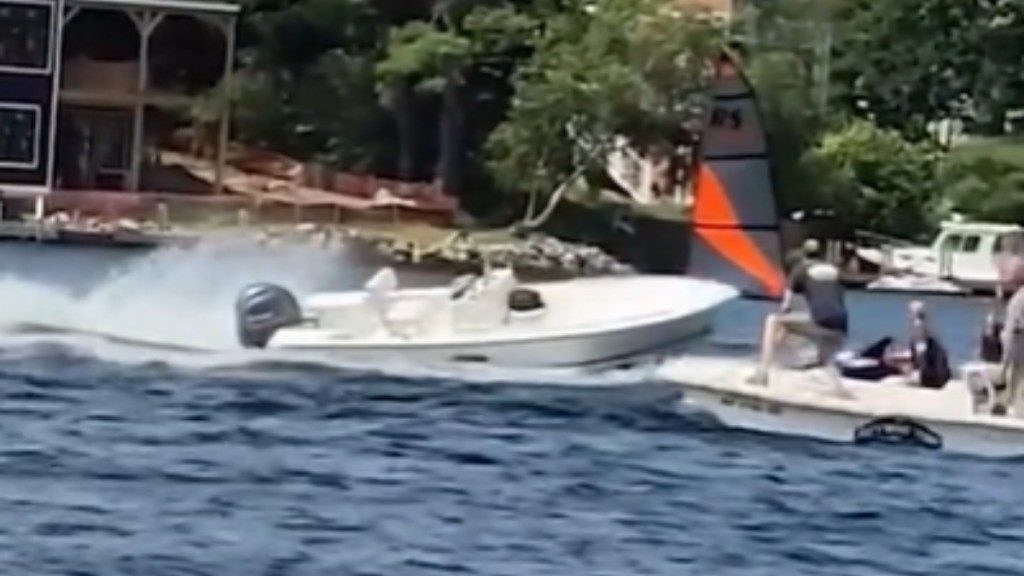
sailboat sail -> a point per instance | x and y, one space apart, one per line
735 221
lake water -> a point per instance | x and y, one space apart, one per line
118 461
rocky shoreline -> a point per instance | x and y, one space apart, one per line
536 252
396 243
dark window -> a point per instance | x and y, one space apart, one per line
971 244
19 135
24 36
951 242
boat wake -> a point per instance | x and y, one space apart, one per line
175 307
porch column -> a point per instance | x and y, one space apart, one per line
224 123
146 22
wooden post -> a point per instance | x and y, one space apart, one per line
225 108
145 22
163 216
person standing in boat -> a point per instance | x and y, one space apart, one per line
1010 290
824 322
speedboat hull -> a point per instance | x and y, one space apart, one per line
582 323
814 404
596 351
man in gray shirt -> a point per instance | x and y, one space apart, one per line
824 322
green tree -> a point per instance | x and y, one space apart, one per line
906 63
434 58
998 84
880 180
984 187
607 68
305 82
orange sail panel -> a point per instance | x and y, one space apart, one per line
720 229
735 219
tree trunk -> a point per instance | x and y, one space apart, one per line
402 106
451 157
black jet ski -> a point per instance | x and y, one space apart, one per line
867 363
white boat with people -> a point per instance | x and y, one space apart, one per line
962 259
490 318
879 394
820 403
874 395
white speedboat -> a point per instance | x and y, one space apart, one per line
817 403
584 322
490 319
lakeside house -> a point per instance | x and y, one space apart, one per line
88 88
98 113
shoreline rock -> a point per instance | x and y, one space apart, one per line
536 252
460 249
400 245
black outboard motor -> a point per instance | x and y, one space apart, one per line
262 309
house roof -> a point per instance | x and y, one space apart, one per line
176 6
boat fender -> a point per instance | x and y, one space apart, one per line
525 300
261 310
897 430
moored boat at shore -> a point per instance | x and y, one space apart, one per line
960 260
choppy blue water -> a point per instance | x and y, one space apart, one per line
113 466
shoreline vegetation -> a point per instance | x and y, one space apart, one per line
891 116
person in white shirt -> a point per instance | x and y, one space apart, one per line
1010 289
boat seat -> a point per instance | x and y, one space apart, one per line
399 317
384 281
487 307
379 288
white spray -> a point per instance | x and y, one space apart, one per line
185 297
174 296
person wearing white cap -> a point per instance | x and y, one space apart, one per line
825 321
928 362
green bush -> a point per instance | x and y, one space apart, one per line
880 180
984 187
